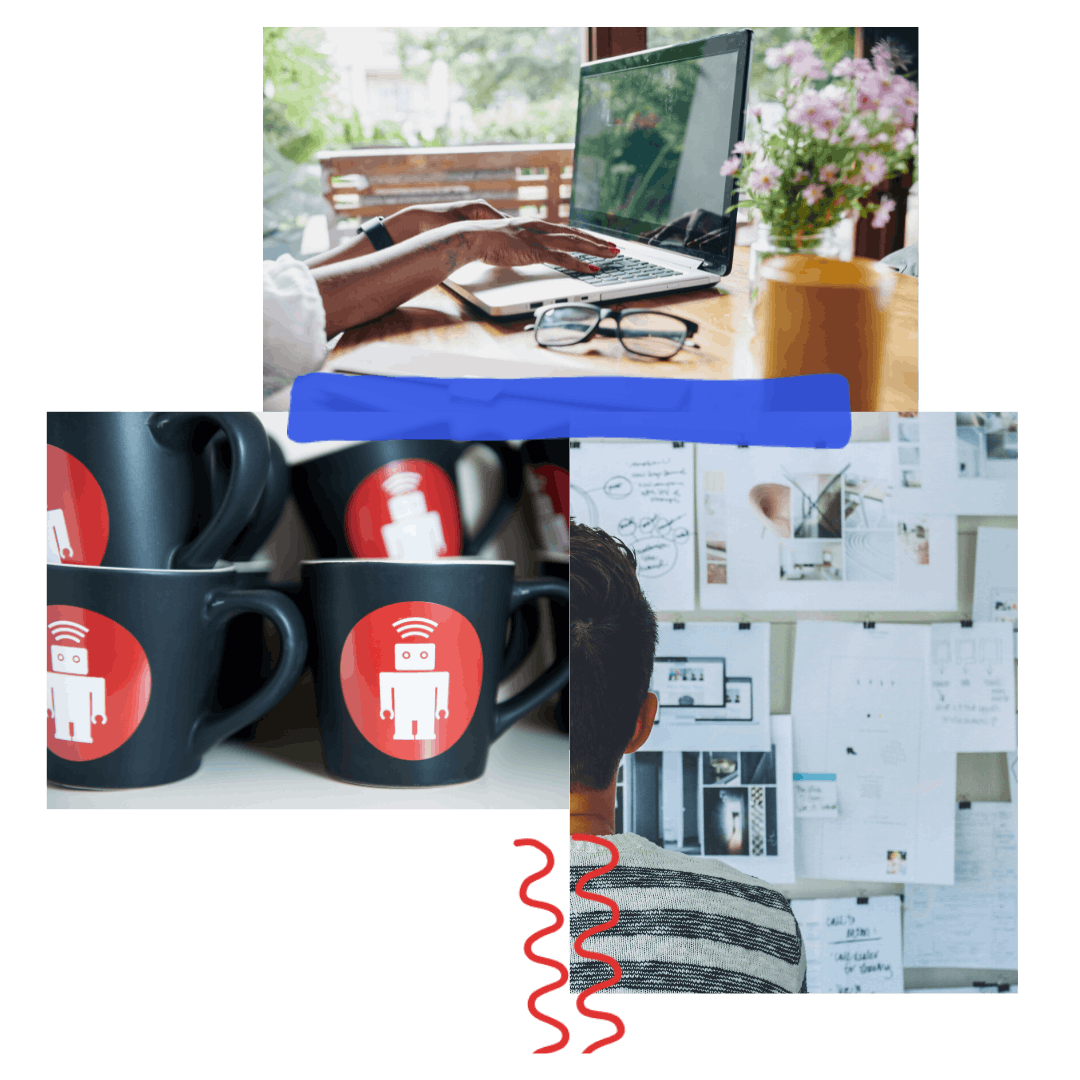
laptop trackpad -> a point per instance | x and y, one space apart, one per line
477 275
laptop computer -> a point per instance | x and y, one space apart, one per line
653 129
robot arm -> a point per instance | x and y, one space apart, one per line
97 702
59 546
442 694
386 695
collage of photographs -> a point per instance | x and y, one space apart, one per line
770 679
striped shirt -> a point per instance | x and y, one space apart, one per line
686 925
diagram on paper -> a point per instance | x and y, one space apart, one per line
643 493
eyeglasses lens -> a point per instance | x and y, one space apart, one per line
565 325
648 333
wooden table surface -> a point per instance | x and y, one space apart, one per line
438 320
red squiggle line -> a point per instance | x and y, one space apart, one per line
610 961
551 909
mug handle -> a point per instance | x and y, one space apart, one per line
556 676
524 630
271 503
513 487
250 450
211 727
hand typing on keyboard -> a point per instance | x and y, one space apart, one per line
621 269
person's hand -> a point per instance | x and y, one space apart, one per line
413 220
525 241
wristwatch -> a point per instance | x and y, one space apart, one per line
377 233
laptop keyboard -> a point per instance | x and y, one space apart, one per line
620 270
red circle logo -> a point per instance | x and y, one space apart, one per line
549 486
78 519
411 675
405 510
98 683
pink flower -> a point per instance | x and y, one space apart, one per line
857 130
730 167
883 212
808 67
874 168
813 192
904 138
847 69
829 173
815 109
756 112
763 178
795 51
800 175
868 92
879 138
905 103
882 57
743 147
799 55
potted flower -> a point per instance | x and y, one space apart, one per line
826 151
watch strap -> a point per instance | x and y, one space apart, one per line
377 233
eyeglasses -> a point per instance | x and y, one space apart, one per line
641 332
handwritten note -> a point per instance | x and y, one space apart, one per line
972 688
974 922
852 947
643 493
815 795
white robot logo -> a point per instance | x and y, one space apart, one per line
59 542
414 532
414 694
76 701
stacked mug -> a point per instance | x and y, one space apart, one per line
547 473
407 625
140 598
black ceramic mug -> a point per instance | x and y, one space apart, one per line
130 489
397 499
407 657
560 622
133 658
218 459
547 480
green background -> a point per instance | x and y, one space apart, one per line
352 944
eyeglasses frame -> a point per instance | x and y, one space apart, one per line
616 331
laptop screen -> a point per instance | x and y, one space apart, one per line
653 130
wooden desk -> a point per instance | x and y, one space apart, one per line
439 320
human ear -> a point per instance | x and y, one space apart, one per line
645 720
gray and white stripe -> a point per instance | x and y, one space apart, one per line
685 924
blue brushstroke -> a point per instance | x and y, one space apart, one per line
805 410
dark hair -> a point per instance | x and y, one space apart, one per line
612 644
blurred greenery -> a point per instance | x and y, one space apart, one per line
498 66
299 113
498 69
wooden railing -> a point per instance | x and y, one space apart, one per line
359 184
